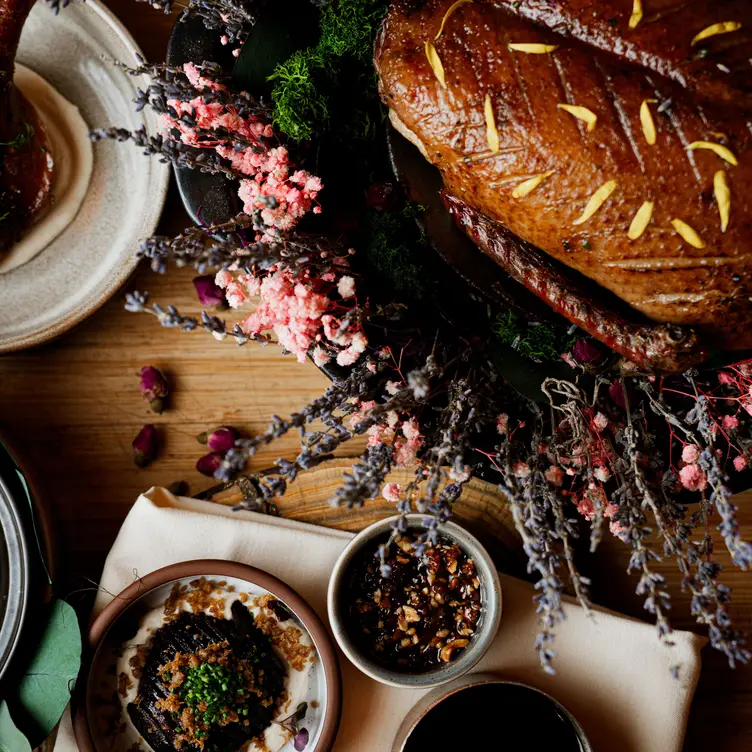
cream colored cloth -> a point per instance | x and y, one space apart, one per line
613 673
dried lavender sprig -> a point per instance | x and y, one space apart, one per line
224 245
366 478
170 150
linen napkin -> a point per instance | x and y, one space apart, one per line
613 673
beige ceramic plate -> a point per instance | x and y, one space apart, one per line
94 256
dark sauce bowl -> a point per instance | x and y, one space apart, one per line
483 711
340 595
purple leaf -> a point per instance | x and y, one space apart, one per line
300 741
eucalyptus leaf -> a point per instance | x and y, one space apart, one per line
44 690
11 739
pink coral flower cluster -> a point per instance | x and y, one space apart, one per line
296 309
282 194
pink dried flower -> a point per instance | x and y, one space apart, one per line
209 463
222 439
144 447
724 377
154 387
410 430
347 357
730 422
521 469
555 475
602 474
391 492
210 294
392 387
740 462
600 422
693 478
690 453
346 287
502 424
320 356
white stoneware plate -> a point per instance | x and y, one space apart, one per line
85 265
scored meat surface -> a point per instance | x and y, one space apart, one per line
495 124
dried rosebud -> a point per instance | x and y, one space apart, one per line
145 445
382 196
616 392
210 294
209 463
586 353
222 439
154 387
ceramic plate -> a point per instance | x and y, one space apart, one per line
94 256
127 623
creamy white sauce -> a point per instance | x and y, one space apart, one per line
296 681
73 161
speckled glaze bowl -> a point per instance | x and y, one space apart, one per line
119 622
479 642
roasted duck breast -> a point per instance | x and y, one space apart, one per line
612 136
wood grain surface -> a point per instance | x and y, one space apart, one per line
72 408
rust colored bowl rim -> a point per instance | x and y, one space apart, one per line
216 568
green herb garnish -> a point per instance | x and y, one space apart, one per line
218 687
23 138
538 342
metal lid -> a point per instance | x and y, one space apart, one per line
14 560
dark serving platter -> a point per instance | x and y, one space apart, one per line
212 199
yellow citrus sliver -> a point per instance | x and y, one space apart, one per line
528 186
688 233
636 17
596 201
719 28
451 10
492 134
723 197
581 113
435 62
533 49
722 151
648 124
641 220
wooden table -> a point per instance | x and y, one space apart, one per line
73 407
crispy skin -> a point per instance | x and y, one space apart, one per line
662 40
25 171
659 274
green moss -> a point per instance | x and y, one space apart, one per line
348 27
538 342
393 245
332 85
298 102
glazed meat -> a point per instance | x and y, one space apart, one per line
641 182
25 159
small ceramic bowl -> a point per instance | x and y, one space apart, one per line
122 627
520 714
488 625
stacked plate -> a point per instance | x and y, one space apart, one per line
21 562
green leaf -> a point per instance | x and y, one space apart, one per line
11 739
45 687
